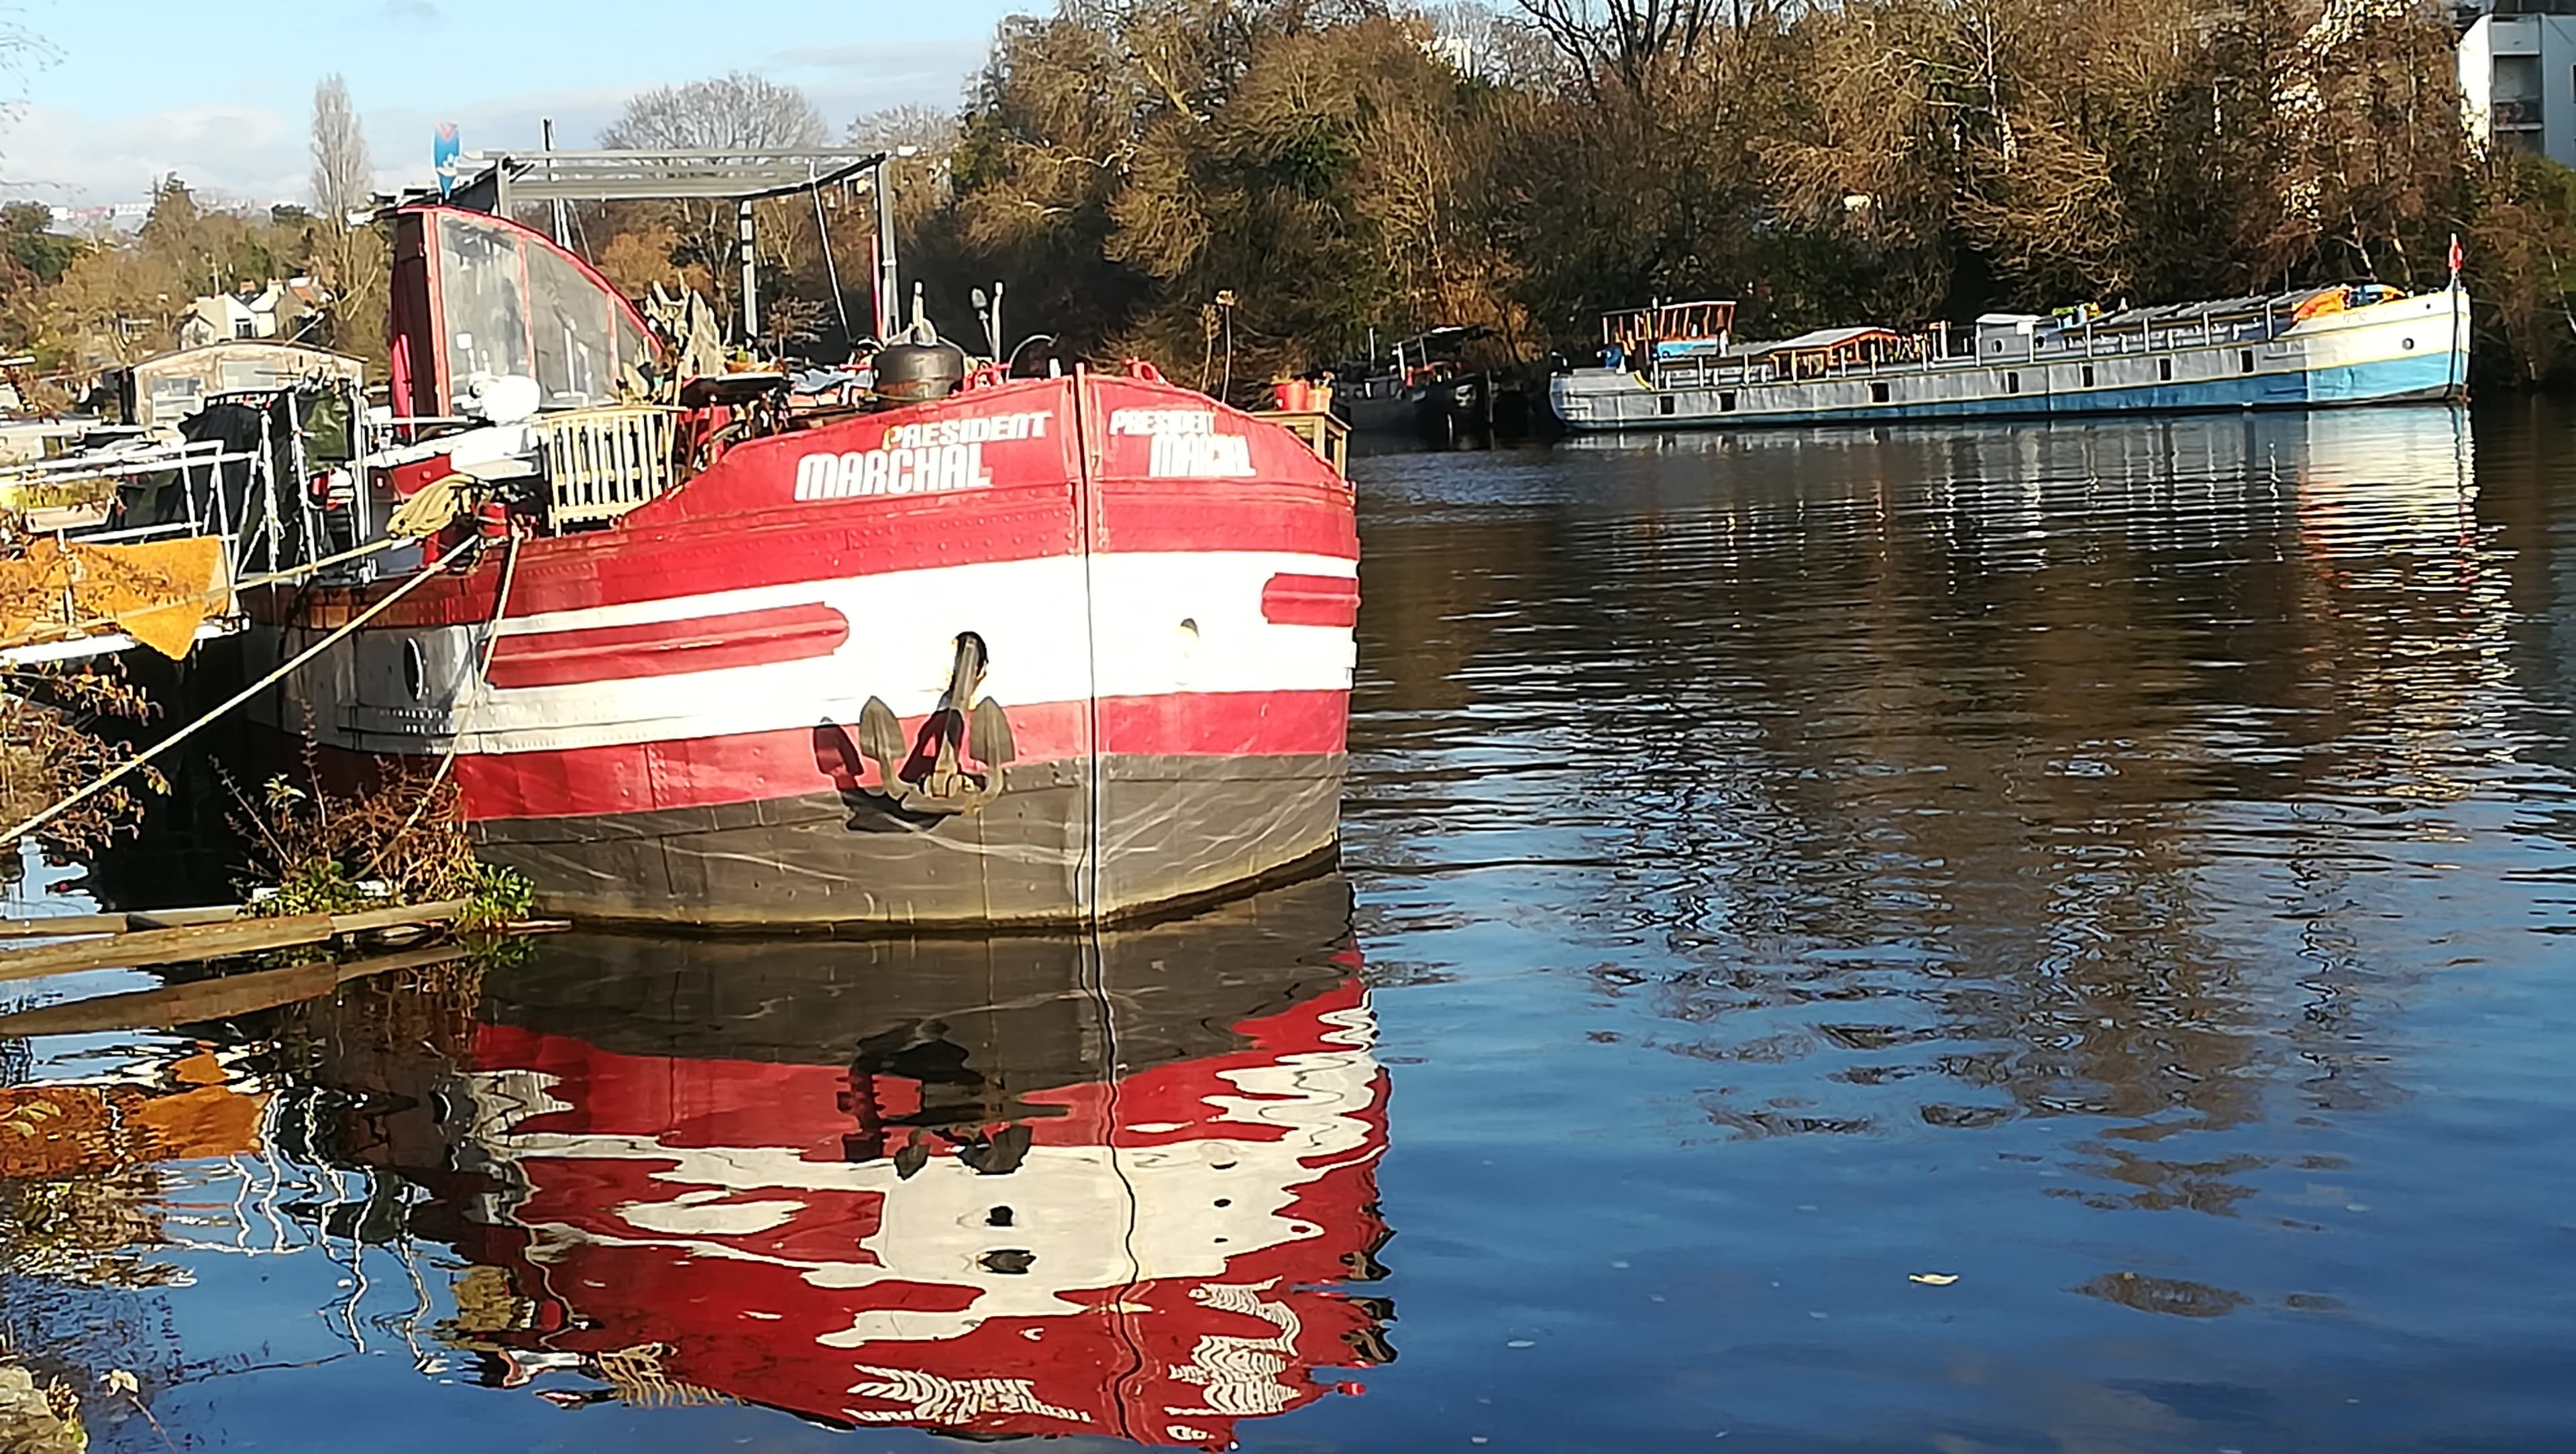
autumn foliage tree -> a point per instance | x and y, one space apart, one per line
1346 167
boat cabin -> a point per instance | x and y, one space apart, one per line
1669 329
2007 335
478 297
159 393
1435 353
1825 350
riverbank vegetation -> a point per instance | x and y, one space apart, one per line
1337 167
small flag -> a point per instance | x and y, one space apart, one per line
442 157
2455 254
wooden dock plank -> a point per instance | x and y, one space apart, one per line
142 947
61 925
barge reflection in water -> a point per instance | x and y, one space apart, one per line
1024 1185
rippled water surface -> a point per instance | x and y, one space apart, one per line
2051 938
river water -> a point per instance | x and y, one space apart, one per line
2003 938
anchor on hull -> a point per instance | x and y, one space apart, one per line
928 775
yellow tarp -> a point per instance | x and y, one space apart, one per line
158 592
2332 300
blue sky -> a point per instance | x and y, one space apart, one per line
222 93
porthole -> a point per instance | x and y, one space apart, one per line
415 669
2407 343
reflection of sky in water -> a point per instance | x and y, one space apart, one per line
2125 866
2121 863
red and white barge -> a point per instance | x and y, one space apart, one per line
1039 650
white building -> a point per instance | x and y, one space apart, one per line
2518 77
249 314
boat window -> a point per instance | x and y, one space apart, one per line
2245 361
2088 376
1878 393
513 305
484 302
1664 405
2164 369
2012 381
1726 401
575 345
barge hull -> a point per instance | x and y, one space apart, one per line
667 720
1169 830
2414 350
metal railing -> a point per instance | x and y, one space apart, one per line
2147 338
603 462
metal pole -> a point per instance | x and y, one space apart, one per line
750 273
563 225
883 188
361 508
305 512
267 466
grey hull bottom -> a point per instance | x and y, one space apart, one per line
1170 830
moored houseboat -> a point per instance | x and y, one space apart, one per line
1679 364
1022 650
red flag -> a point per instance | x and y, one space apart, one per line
2455 252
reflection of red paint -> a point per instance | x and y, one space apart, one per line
1296 600
706 1206
662 648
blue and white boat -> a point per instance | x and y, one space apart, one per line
1677 365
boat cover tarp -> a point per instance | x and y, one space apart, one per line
158 592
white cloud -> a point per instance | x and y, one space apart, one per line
242 153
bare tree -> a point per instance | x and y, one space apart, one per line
1632 41
725 113
739 112
343 178
929 128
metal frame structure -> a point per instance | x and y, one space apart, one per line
495 181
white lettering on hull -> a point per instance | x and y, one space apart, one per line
930 457
1186 444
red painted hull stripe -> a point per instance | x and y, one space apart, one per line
703 772
875 535
696 643
1301 600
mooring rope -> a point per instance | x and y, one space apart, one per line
469 545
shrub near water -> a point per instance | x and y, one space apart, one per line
402 843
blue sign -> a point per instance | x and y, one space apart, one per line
442 155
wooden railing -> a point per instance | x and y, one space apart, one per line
604 462
1323 432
